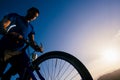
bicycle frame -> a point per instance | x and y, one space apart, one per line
30 70
31 67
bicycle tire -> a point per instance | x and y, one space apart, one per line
79 66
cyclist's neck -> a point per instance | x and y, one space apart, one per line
26 19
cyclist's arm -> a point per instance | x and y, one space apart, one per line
34 44
4 23
31 39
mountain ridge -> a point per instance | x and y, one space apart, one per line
115 75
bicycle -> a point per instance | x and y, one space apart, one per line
56 65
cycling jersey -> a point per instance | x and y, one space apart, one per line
18 25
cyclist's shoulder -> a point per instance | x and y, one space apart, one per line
12 15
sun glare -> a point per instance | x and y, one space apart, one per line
110 55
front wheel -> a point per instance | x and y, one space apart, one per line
58 65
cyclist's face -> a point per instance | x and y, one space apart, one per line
33 17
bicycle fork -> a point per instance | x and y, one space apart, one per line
40 76
37 72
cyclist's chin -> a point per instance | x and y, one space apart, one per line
31 20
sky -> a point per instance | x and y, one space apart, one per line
87 29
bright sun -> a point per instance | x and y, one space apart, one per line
110 55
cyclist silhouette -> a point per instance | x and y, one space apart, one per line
15 28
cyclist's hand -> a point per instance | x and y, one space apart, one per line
20 37
15 35
38 48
